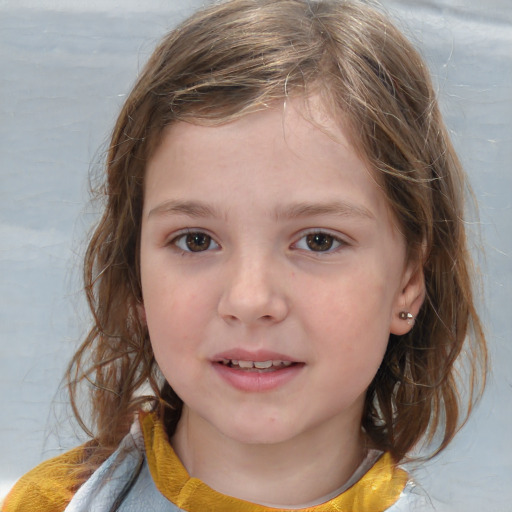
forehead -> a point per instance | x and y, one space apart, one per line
298 118
293 152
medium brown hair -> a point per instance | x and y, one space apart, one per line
237 57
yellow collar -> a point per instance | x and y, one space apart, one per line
376 491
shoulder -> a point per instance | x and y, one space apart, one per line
50 486
414 499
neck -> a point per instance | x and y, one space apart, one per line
287 474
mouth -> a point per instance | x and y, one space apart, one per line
256 371
256 366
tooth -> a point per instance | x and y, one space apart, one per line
234 362
262 364
287 363
246 364
277 362
224 361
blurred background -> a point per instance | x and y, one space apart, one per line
66 67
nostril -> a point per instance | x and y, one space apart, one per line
238 304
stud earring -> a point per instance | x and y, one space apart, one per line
405 315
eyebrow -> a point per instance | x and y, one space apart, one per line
337 208
189 208
199 209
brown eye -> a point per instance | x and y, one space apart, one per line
320 242
195 242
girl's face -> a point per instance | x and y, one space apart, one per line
272 275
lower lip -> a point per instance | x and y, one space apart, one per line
257 381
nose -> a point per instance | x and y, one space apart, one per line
254 292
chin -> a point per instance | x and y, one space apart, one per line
259 432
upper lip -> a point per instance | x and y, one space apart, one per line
240 354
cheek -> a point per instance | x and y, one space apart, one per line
351 319
170 301
173 314
360 301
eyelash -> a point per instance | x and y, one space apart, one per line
182 237
333 242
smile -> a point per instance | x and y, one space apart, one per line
271 364
256 373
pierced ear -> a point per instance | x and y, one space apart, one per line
409 300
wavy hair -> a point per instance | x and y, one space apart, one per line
237 57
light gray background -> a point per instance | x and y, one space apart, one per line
65 68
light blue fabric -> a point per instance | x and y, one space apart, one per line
100 492
413 499
128 463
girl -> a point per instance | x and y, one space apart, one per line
280 283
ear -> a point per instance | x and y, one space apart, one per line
409 299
